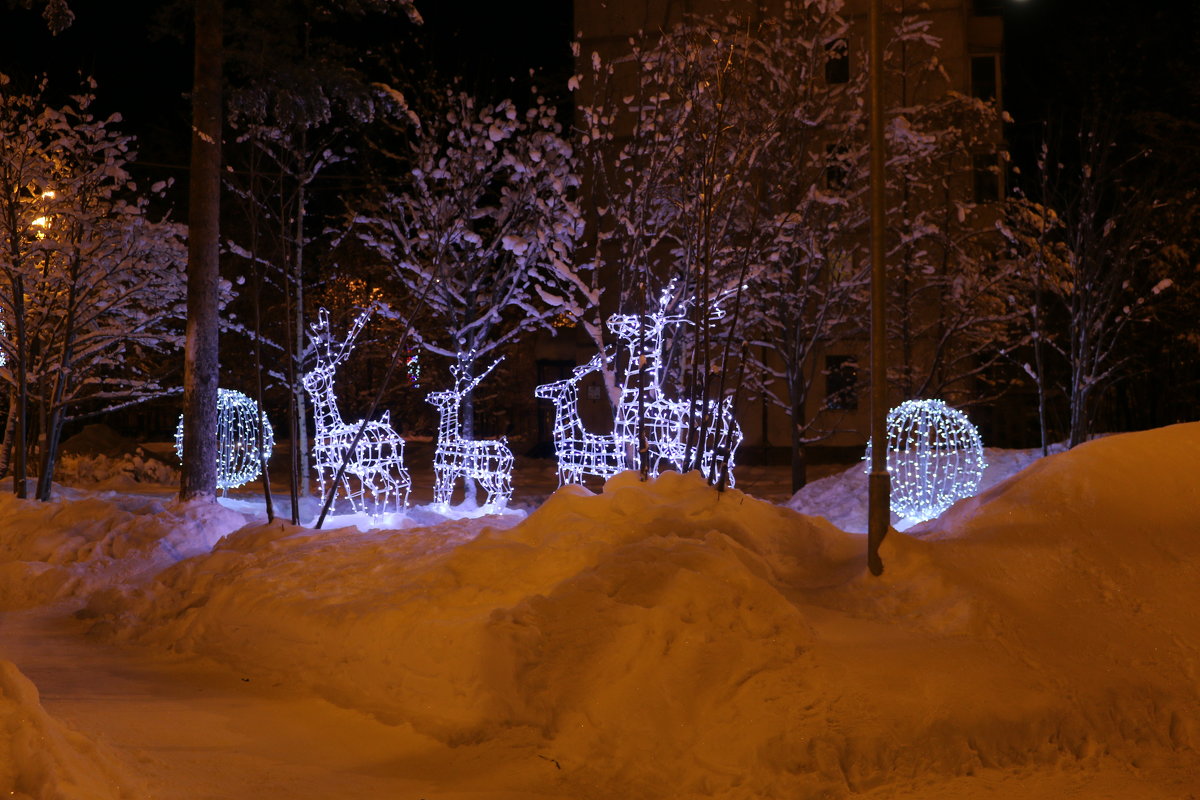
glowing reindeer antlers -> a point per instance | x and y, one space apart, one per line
488 461
375 480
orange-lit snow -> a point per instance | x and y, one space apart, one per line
658 640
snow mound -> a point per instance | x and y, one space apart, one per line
41 759
842 498
79 542
662 639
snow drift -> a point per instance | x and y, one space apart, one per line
77 543
41 759
661 639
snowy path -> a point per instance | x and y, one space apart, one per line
198 732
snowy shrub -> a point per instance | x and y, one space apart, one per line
82 469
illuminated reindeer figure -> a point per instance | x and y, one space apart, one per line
376 467
579 452
488 461
667 422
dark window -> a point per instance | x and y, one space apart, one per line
987 8
841 383
837 172
983 77
986 170
837 61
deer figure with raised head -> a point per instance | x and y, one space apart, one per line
641 392
488 461
375 480
667 423
579 451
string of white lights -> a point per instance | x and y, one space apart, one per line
238 419
934 457
488 461
579 452
668 424
375 481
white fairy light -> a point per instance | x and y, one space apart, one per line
374 481
238 419
667 423
489 461
579 452
934 456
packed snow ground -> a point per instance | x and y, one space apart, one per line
657 640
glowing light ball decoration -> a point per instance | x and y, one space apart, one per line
934 456
238 419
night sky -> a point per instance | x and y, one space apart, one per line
139 52
140 55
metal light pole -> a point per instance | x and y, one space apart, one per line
879 486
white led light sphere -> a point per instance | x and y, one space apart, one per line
934 457
237 439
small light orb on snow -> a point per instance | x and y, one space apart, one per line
934 457
237 437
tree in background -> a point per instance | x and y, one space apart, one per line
299 98
1093 242
728 156
479 232
198 480
100 283
696 150
951 316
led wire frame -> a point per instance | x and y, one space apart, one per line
375 481
488 461
934 457
642 407
238 418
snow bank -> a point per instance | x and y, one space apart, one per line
661 639
77 542
842 498
41 759
100 458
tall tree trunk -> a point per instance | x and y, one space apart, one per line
301 405
257 285
53 406
799 453
201 361
10 427
21 401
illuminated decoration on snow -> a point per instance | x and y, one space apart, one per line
412 364
375 481
934 456
3 358
579 452
488 461
667 422
237 439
